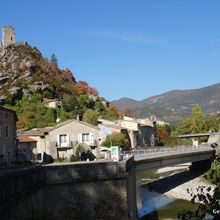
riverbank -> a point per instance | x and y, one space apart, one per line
177 185
184 190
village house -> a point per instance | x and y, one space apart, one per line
8 137
59 141
139 132
52 103
26 149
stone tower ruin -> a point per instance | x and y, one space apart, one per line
8 36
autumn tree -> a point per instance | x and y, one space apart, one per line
67 75
83 88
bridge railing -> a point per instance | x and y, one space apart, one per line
156 151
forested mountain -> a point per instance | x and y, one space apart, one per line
176 104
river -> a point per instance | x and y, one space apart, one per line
152 203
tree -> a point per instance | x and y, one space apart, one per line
91 117
116 139
197 120
183 127
85 101
111 113
99 107
54 59
209 204
70 103
83 88
84 152
194 124
213 175
82 148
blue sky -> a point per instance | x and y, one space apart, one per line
125 48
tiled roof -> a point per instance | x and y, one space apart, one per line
45 131
25 139
36 132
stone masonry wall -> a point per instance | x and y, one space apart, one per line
91 200
83 190
8 36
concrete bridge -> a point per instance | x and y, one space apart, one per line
168 156
86 190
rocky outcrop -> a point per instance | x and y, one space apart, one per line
24 70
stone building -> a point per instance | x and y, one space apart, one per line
59 141
26 146
8 36
140 132
52 103
8 136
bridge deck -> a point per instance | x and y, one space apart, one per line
162 157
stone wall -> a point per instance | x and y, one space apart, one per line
85 190
17 185
8 36
8 137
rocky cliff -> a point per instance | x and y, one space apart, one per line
23 70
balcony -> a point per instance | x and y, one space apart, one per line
66 145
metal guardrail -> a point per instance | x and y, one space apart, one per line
160 151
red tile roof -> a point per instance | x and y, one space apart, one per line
25 139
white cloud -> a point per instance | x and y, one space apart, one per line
123 36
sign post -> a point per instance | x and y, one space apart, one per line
115 154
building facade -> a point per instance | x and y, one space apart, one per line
26 149
8 137
139 132
59 141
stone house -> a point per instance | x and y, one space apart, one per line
59 141
8 136
52 103
140 132
26 149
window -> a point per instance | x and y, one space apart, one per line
85 138
6 115
6 131
63 140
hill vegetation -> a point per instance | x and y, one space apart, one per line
28 81
197 122
174 105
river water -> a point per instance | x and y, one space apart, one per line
154 205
